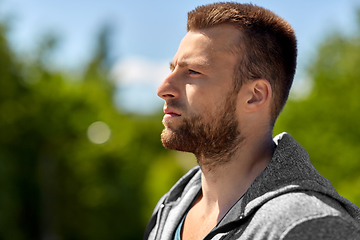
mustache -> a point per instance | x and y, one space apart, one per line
176 104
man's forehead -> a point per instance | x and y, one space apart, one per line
223 37
206 47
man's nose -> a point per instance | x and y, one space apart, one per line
168 89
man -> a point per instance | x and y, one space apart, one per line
230 79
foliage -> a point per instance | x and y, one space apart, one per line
54 182
327 122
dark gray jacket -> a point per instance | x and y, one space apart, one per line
288 200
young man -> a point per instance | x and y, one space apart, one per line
230 79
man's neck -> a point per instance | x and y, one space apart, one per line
224 184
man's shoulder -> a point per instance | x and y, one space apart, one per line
294 213
301 204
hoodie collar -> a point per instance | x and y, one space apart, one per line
289 170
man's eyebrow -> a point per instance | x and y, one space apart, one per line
184 62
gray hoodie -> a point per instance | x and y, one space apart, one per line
288 200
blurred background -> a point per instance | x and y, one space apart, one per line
80 122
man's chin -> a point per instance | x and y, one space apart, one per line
171 140
167 137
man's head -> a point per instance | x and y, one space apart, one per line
221 77
266 47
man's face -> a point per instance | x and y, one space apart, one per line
200 101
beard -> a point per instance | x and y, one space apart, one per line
212 142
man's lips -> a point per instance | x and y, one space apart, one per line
170 113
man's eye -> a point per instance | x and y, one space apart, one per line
193 72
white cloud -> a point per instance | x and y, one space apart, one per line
137 79
301 88
139 70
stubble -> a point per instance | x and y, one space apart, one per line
212 142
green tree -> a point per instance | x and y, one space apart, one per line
54 182
327 121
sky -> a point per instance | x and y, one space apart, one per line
147 35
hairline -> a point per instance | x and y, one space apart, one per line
235 48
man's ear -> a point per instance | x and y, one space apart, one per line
259 94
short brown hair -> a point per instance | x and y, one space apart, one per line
267 45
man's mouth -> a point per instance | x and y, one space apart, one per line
170 113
